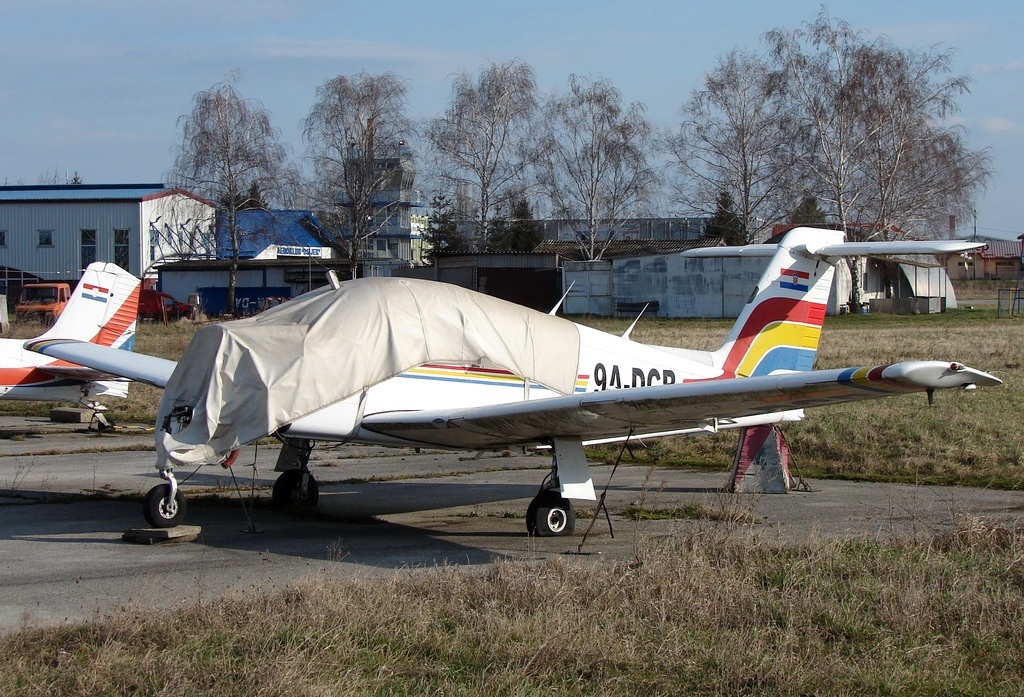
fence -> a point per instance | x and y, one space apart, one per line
1010 302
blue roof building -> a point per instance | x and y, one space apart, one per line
269 234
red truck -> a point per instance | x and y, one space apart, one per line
156 305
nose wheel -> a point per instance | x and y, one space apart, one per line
163 509
550 515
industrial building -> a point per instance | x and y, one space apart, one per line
52 232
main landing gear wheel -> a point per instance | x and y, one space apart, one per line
159 512
291 490
550 515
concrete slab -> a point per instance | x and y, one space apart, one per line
71 415
63 512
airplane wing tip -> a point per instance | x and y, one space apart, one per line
940 374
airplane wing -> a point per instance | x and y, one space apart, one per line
596 415
103 361
77 372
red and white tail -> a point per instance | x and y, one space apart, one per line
102 310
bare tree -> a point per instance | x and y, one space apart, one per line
56 177
596 170
918 170
356 136
819 62
485 141
228 149
737 138
882 162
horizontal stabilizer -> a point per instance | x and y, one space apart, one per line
107 361
805 242
859 249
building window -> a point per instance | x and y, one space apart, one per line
3 238
45 238
88 247
121 255
1006 270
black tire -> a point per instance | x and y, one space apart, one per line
157 513
288 490
550 515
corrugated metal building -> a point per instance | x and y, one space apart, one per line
52 232
670 285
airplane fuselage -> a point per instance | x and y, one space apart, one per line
22 376
607 362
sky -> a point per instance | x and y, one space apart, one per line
98 87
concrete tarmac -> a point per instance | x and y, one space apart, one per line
67 496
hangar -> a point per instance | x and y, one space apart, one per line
52 232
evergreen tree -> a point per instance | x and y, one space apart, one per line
443 234
725 223
525 233
519 232
808 212
253 200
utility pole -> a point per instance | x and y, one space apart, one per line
976 256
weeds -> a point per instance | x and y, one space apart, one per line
695 510
713 611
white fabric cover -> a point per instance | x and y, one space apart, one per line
246 379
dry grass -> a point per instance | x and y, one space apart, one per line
712 611
969 438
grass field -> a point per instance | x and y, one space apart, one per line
711 611
966 438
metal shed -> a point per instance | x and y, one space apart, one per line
52 232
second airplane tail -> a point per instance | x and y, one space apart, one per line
102 310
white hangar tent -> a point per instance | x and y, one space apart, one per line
907 286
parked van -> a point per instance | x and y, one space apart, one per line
156 305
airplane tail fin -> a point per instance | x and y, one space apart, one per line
103 308
780 326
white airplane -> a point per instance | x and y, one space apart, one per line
404 362
102 310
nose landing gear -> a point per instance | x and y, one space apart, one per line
164 506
